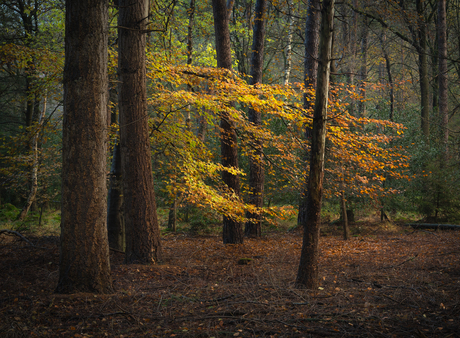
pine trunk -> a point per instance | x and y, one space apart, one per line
84 260
141 223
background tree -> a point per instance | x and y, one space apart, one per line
232 231
307 275
256 166
84 259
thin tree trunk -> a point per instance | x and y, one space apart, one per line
363 69
115 219
423 68
312 27
232 232
256 165
34 173
142 230
307 276
84 260
442 76
288 66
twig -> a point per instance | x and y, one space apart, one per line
407 260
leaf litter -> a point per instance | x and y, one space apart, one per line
380 285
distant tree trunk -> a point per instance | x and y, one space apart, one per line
115 219
232 231
288 66
172 217
363 69
142 231
442 77
256 164
423 68
311 73
346 227
34 173
84 260
307 276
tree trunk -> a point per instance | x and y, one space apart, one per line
346 227
423 68
142 231
442 77
363 69
34 173
84 260
256 164
288 65
115 219
232 232
312 27
307 276
172 217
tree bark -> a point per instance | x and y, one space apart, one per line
307 276
142 231
84 258
312 27
232 232
256 165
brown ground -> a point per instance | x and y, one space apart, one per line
383 284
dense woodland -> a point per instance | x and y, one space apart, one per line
173 142
241 113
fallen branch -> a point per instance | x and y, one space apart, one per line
434 226
17 234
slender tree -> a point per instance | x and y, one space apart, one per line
232 231
142 231
312 27
256 169
307 276
84 259
442 76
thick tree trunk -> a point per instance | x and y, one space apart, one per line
141 223
307 276
312 27
232 231
256 165
84 259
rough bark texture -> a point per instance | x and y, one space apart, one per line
442 77
142 231
232 232
256 166
84 259
307 276
312 27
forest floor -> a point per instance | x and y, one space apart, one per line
386 282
